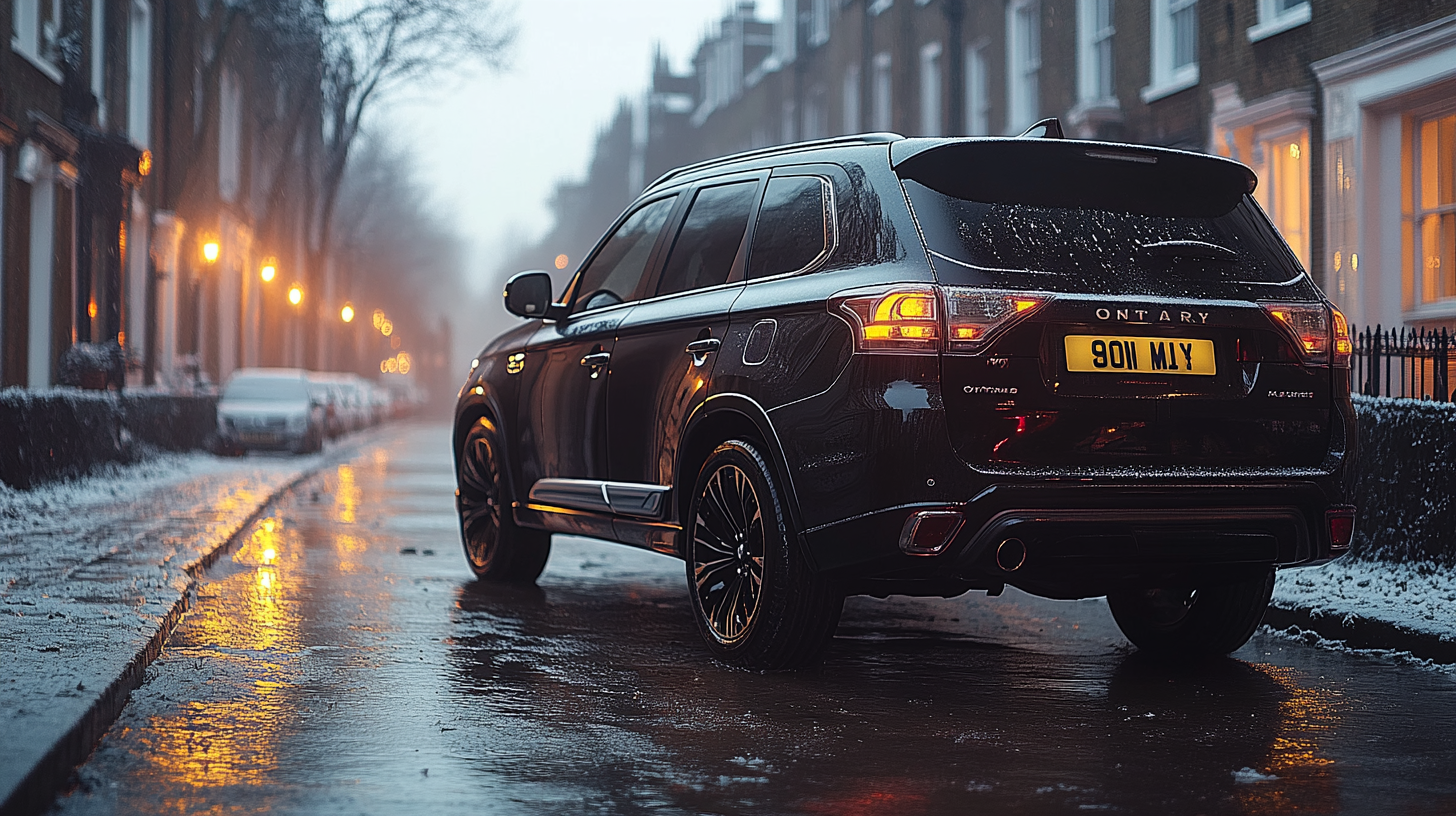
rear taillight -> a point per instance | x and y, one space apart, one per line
974 317
1307 326
1341 521
904 321
925 319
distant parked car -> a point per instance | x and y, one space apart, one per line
270 409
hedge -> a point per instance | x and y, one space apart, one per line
63 433
1406 481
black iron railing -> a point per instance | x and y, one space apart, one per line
1410 363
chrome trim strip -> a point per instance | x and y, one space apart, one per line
621 498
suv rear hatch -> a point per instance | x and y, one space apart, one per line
1108 306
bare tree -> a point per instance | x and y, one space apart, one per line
373 48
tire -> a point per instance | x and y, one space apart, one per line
757 602
1193 623
495 547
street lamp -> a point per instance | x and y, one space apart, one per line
210 251
269 271
295 294
347 313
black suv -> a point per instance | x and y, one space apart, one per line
884 365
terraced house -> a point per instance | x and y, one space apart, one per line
1345 108
154 156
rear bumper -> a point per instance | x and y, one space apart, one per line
1083 539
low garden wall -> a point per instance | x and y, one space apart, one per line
1406 486
61 433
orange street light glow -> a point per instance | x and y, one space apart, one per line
210 251
562 261
386 328
378 318
295 294
347 313
268 272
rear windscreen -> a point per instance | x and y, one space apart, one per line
1083 226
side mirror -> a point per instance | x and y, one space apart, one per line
529 294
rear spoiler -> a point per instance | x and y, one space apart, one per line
1051 172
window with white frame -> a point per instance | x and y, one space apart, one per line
930 94
1281 161
139 73
882 112
1276 16
1023 63
1431 224
1094 50
978 92
849 104
1174 48
36 33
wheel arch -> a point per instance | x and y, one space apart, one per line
483 406
718 419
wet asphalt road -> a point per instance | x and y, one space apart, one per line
341 660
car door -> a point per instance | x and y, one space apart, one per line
563 405
666 346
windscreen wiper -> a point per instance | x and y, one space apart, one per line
1202 250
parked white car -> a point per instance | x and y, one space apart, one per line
270 409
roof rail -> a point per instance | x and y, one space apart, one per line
858 138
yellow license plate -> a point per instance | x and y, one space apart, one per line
1144 355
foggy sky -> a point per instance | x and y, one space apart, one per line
492 148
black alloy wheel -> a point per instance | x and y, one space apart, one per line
496 548
1199 622
756 600
728 556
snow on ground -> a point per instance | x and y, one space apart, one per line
1419 597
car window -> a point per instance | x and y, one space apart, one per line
708 242
252 389
792 226
615 272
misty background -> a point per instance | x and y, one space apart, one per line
483 153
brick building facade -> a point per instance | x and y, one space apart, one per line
1345 108
133 134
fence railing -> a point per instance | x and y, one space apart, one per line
1403 363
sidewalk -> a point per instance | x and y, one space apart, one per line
1367 605
93 577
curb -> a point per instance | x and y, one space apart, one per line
1363 633
37 791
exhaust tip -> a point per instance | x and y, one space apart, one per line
1011 555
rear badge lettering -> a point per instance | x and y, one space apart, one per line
1141 316
1292 394
989 389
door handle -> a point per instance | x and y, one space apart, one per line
705 346
596 359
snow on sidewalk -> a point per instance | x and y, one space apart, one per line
1417 597
90 571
